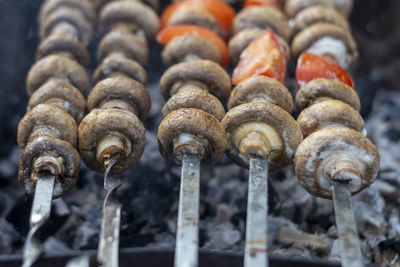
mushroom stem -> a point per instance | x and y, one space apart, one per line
255 143
187 235
111 144
187 85
40 212
65 29
346 225
121 104
257 213
189 143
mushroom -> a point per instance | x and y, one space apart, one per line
37 122
83 6
261 89
329 113
131 13
62 94
153 3
52 155
67 22
200 74
123 93
328 40
263 129
57 67
185 47
318 14
106 132
194 98
242 39
121 40
194 131
119 66
292 7
261 17
321 89
65 46
337 153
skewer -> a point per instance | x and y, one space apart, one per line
107 253
40 212
257 212
187 236
346 225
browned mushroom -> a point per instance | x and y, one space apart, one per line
62 94
106 132
131 13
242 39
292 7
329 113
326 39
338 153
261 89
52 155
120 92
194 131
37 122
83 6
263 129
57 67
261 17
322 89
202 74
184 47
194 98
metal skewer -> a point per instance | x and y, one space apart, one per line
350 250
40 212
187 236
107 253
257 212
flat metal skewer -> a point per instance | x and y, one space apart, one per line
40 212
255 254
187 236
107 254
350 250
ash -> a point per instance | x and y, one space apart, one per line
300 225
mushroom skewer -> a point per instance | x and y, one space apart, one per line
335 160
191 133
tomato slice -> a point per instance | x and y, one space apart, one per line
311 66
263 56
168 33
220 10
269 3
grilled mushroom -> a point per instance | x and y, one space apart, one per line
292 7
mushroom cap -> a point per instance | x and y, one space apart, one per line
329 142
318 14
197 17
120 66
133 46
198 123
242 39
57 67
204 71
121 88
153 3
327 114
272 115
326 88
100 122
52 119
74 102
304 39
56 44
83 6
259 88
195 98
129 12
188 45
261 17
292 7
70 16
50 146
